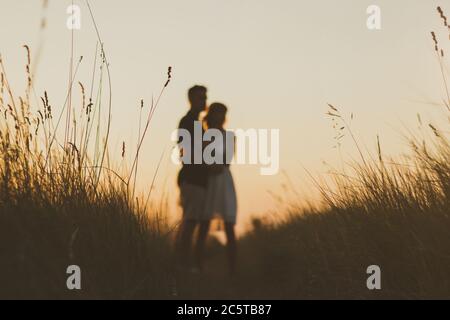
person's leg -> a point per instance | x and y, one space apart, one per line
184 244
189 200
201 241
231 246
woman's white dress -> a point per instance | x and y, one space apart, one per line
221 200
221 197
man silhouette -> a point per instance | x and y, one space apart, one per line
192 181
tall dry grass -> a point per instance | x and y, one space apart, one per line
61 201
60 205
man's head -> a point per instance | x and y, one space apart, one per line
197 98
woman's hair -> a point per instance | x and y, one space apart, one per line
216 115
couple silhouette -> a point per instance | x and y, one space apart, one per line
206 188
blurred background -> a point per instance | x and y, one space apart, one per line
275 64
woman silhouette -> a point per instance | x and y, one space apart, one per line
220 199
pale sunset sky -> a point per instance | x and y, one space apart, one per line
275 64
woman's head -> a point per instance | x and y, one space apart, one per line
216 116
